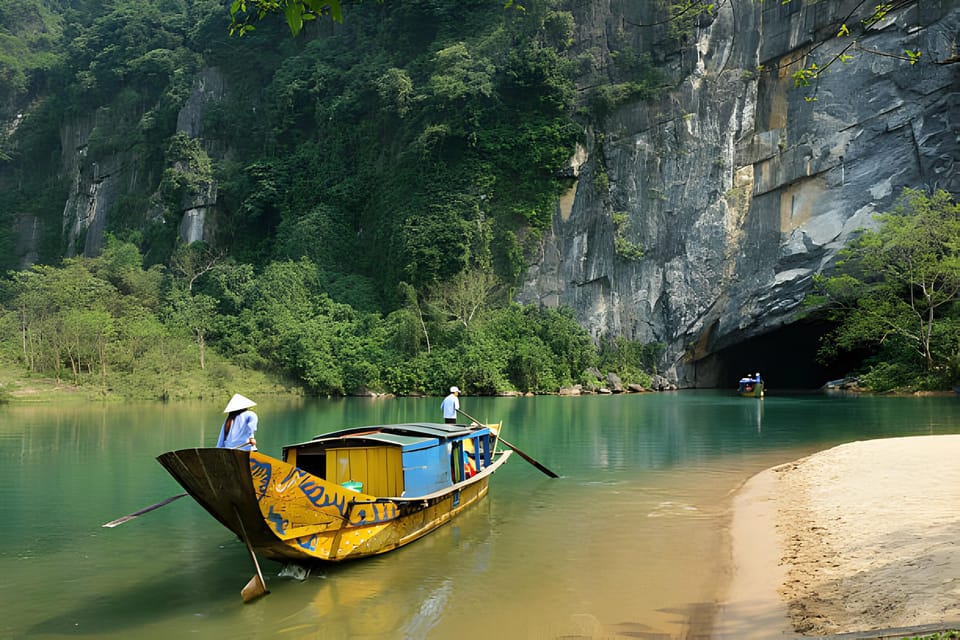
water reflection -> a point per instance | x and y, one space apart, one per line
754 410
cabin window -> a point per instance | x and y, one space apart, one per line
478 450
484 451
314 463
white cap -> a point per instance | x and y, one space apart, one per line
454 390
238 402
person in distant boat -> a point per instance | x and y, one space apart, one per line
757 377
450 406
240 425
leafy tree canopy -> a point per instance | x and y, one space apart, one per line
896 289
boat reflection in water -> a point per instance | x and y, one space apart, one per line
373 599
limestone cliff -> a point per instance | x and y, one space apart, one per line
739 187
98 187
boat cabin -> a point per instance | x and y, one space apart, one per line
401 460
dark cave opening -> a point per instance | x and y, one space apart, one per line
786 359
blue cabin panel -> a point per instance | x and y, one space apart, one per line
426 470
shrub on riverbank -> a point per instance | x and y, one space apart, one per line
106 327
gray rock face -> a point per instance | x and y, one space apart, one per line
96 187
739 187
208 89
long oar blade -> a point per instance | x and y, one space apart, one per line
523 455
529 459
133 515
254 589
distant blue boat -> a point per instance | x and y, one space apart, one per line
751 387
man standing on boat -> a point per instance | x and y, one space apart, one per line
450 406
241 423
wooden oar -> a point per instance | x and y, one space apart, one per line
520 453
256 587
133 515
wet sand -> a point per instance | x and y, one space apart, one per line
861 537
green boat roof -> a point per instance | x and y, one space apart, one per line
416 429
404 442
404 435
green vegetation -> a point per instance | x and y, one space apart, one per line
377 186
97 324
112 328
685 15
243 13
30 32
896 293
623 247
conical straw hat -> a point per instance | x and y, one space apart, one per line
238 402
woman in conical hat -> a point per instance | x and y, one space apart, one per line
240 425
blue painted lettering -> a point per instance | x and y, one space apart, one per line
261 473
278 521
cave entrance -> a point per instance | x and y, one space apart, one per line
786 359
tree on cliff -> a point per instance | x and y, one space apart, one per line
874 20
896 289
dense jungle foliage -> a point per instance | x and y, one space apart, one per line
120 329
377 185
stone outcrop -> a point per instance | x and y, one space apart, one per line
208 89
95 187
739 187
98 186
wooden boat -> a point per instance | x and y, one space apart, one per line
751 387
343 495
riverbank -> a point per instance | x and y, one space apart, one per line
219 380
861 537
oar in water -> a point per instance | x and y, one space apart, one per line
140 512
256 587
520 453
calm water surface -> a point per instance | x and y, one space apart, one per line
629 542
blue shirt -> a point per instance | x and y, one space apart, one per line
242 429
449 406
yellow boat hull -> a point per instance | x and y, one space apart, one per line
288 514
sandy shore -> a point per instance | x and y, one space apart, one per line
861 537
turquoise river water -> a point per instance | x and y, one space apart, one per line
629 542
